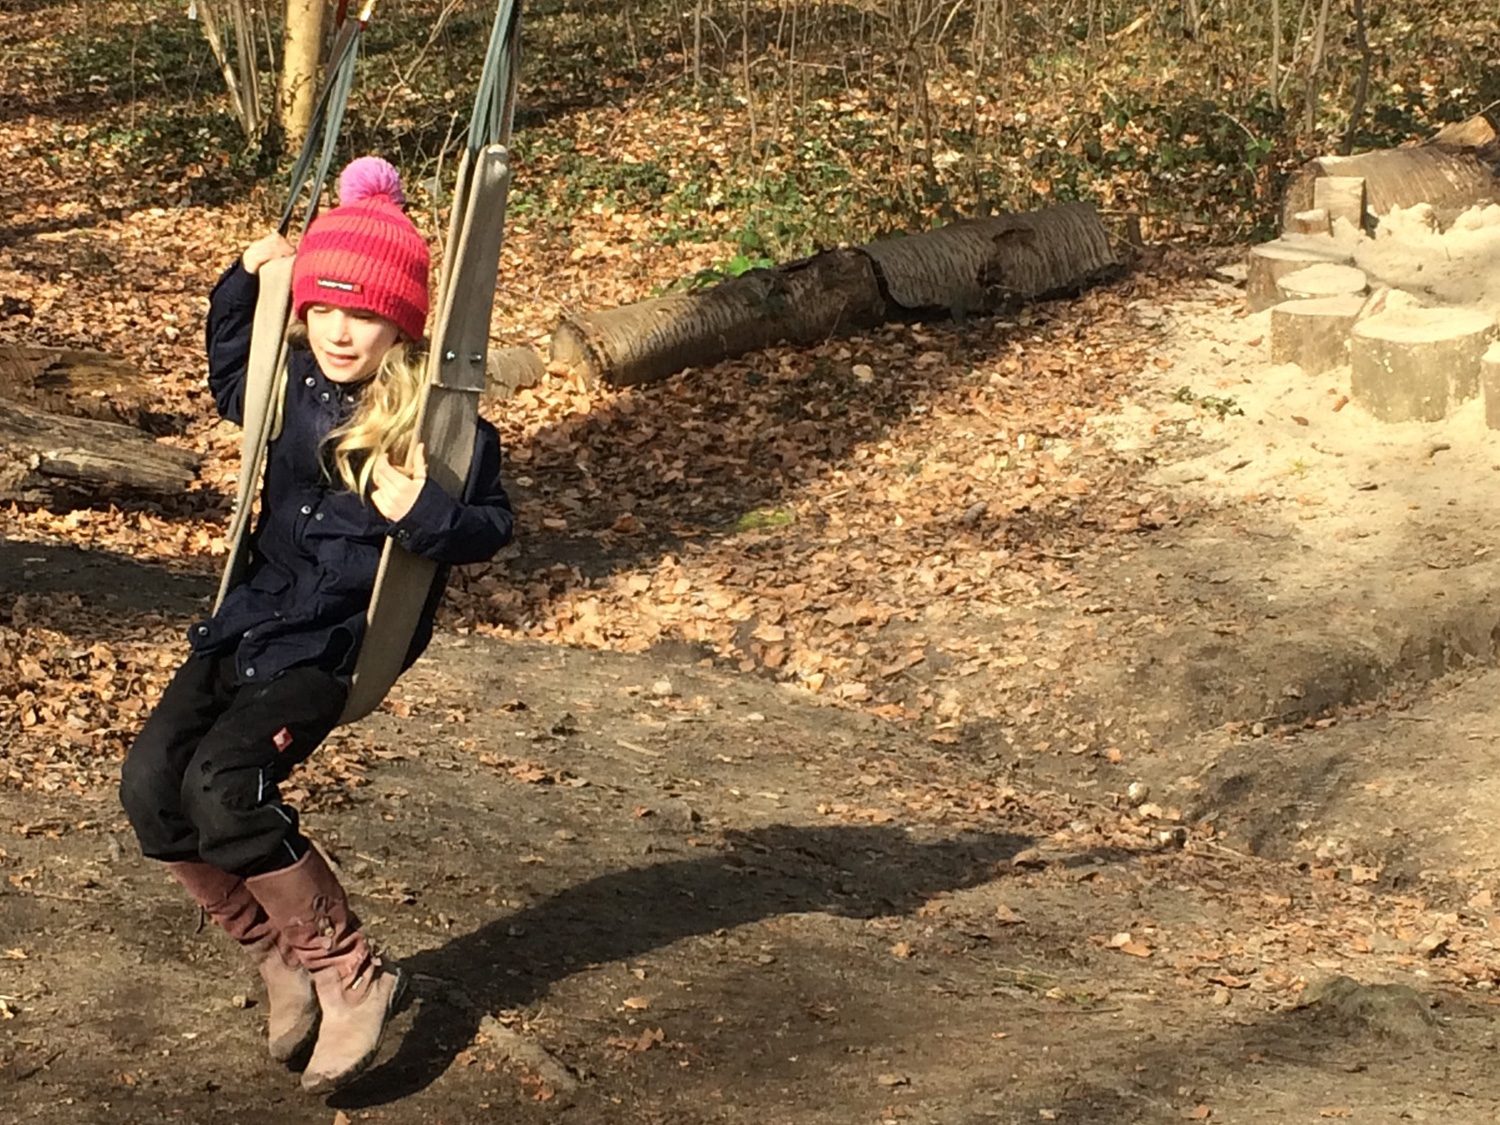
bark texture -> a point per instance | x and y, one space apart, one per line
58 461
984 265
77 382
297 90
978 266
800 303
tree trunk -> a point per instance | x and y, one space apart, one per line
302 44
235 52
57 461
977 266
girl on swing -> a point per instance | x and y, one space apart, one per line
268 673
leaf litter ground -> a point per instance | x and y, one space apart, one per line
954 723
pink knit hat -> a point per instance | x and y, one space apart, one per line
365 253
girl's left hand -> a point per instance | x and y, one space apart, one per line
396 490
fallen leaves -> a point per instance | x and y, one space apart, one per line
648 1038
1126 944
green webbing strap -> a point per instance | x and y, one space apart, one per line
495 100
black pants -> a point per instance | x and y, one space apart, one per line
201 781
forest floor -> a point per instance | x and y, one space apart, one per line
1062 717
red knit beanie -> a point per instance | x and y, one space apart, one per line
365 253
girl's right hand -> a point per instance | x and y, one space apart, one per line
262 250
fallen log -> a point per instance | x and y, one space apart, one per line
976 266
989 265
78 382
1451 181
800 303
58 461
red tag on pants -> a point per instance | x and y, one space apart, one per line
282 739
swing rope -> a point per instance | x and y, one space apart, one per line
495 100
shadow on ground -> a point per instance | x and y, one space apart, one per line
784 869
100 579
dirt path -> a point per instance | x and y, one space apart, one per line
711 900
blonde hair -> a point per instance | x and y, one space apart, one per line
385 421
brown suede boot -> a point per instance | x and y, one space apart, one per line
356 991
290 997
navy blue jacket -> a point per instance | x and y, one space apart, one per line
316 545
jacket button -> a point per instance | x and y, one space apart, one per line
250 672
324 396
202 630
318 516
307 509
310 381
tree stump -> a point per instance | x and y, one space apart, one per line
1489 382
1314 334
1343 197
1417 364
1309 222
1322 280
1269 262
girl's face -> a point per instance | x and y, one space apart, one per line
348 343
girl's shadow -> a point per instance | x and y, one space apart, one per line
854 872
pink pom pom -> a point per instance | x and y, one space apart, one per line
367 178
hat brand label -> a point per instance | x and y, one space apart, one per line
342 286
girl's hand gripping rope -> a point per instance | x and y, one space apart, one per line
262 250
395 489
